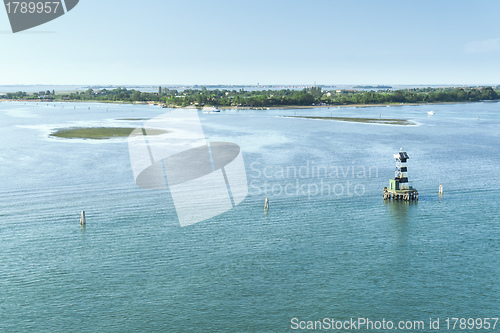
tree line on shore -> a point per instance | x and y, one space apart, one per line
268 98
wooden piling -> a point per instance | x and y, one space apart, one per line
400 195
83 221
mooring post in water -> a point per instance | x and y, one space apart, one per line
82 218
441 189
266 205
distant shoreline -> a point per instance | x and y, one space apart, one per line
285 107
307 98
295 107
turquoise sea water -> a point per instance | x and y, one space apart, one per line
344 254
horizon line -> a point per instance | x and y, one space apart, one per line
251 85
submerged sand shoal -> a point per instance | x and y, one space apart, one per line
98 133
386 121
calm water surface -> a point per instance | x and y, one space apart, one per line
344 254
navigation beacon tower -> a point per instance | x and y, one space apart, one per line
398 187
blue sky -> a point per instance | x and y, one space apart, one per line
270 42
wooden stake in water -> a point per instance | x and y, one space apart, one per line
441 189
266 205
82 218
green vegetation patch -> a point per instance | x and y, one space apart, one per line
98 133
312 96
361 120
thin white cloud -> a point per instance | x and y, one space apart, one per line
483 46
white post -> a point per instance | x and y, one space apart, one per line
82 218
